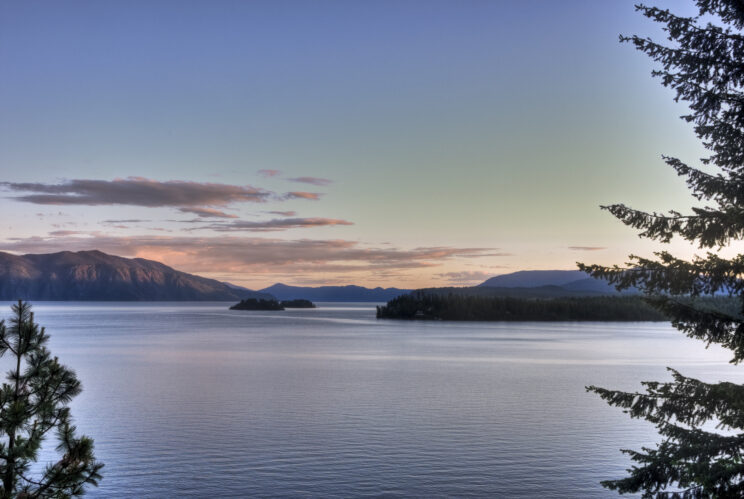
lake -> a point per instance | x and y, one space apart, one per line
194 400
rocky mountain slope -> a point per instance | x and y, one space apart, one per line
93 275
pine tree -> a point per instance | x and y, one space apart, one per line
704 64
33 402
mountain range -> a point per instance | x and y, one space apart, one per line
572 282
333 293
96 276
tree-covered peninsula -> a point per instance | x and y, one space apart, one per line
459 307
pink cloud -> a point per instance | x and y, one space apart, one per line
250 255
207 212
302 195
311 180
58 233
276 224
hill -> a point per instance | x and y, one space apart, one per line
534 278
571 281
516 292
333 293
97 276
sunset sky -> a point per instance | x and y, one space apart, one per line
381 143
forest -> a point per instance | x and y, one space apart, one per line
453 307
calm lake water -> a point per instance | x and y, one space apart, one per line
194 400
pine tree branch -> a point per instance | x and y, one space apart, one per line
687 26
670 275
706 324
709 227
726 191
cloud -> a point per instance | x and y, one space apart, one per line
207 212
276 224
283 213
311 180
125 221
587 248
57 233
302 195
465 277
269 173
135 191
496 253
250 255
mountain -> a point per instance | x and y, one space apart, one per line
534 278
333 293
571 282
516 292
96 276
237 288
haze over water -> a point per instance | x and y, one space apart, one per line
193 400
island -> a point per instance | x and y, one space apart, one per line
257 304
271 304
298 303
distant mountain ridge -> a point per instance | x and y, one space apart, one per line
543 292
534 278
334 293
97 276
571 281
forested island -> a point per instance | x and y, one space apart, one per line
257 304
456 307
299 303
271 304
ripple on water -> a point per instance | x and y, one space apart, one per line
189 400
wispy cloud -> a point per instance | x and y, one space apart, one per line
125 221
314 196
135 191
207 212
62 233
272 225
283 213
587 248
269 173
251 255
311 180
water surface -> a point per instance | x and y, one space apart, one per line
194 400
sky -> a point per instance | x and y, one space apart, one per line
382 143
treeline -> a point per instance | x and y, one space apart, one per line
453 307
298 303
257 304
261 304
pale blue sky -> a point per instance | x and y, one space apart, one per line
465 125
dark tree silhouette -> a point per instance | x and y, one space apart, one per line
704 63
428 305
33 402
